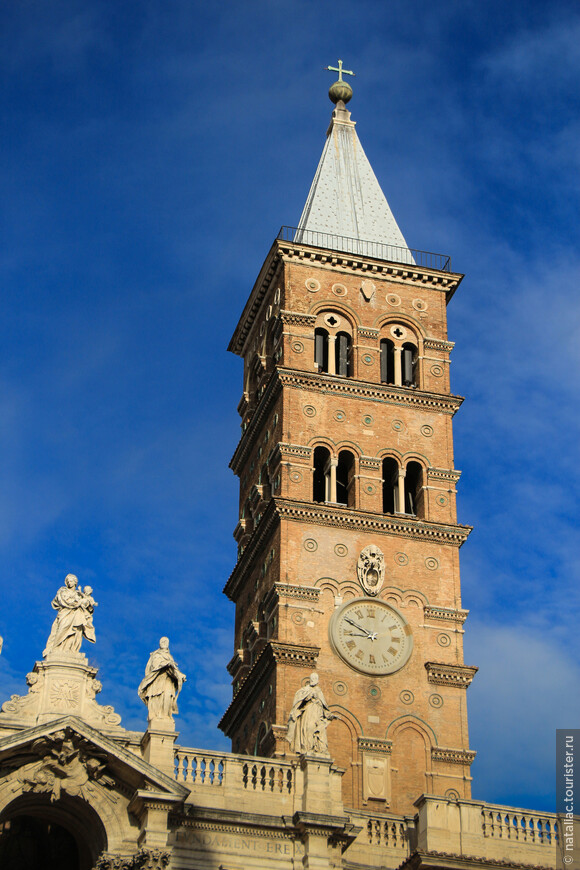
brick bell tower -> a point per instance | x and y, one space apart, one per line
348 535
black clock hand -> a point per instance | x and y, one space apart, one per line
366 634
350 622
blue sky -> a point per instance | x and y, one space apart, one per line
150 153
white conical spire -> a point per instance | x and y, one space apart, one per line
346 200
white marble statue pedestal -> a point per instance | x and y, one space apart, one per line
62 684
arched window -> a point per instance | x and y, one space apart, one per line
320 477
321 349
408 365
345 479
414 489
333 344
399 356
390 485
342 351
387 361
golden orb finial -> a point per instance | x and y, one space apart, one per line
340 90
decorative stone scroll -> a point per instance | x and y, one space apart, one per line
371 569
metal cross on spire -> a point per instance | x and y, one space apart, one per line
340 70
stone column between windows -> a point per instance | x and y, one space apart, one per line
398 367
330 475
332 354
401 491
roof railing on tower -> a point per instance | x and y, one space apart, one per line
362 248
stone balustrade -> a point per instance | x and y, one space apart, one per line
273 787
524 825
194 767
198 767
483 830
383 840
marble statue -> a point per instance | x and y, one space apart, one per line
162 683
308 720
74 620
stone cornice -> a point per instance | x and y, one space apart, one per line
339 518
245 564
441 674
295 654
370 463
375 744
234 821
248 440
445 613
438 344
255 299
305 593
385 393
338 829
368 332
248 692
396 272
293 451
321 383
450 860
297 318
254 683
282 591
452 756
448 475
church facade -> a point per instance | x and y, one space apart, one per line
348 716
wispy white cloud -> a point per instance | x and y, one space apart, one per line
542 57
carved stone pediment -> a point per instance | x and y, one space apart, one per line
67 756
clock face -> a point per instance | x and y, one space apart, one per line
371 636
